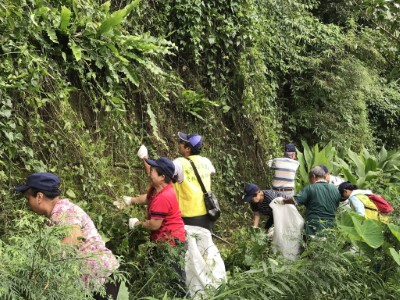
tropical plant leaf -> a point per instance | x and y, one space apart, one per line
116 18
65 18
76 50
52 35
395 229
395 255
131 75
370 231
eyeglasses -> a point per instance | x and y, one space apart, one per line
255 195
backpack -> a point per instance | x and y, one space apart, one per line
381 204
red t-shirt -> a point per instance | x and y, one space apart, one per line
164 206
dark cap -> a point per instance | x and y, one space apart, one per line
325 168
249 190
194 139
166 165
290 148
41 181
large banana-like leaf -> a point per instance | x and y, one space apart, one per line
370 164
360 169
308 157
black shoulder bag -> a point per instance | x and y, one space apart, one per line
210 200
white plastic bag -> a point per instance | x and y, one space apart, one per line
288 226
203 263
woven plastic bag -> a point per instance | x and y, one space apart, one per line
288 227
204 265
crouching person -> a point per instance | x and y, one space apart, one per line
43 196
164 218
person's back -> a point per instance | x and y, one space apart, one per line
323 200
187 188
285 171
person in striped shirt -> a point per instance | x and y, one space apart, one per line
285 171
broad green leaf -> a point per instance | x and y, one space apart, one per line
395 229
65 18
360 169
350 232
76 50
395 255
370 231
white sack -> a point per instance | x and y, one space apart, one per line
203 263
288 226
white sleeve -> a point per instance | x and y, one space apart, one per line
210 165
178 170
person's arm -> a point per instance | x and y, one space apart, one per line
152 224
256 219
270 222
141 199
146 166
75 237
358 206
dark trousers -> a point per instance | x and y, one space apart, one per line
201 221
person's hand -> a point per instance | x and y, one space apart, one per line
269 163
142 152
279 200
121 204
132 222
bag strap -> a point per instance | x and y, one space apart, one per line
197 175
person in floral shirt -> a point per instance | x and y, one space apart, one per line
43 196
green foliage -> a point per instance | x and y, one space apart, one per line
370 237
311 158
247 252
367 170
35 265
83 84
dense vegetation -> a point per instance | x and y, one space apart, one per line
83 83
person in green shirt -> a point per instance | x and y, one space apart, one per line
321 200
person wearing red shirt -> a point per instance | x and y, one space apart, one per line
164 218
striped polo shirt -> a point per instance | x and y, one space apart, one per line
285 173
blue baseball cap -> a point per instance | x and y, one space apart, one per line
290 148
249 190
166 165
194 139
41 181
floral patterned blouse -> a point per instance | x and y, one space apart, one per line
99 260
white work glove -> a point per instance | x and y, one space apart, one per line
132 222
269 163
279 200
142 152
127 200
